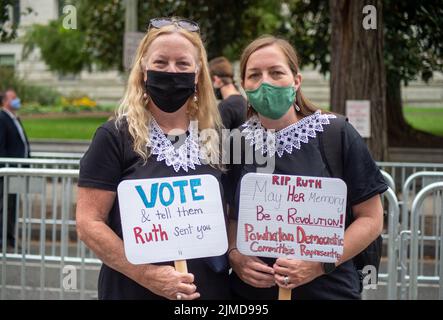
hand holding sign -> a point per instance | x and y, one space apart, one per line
291 217
167 282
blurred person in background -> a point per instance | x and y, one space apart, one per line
13 144
233 105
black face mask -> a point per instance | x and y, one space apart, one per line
218 93
170 90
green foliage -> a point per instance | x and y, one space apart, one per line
227 26
29 94
413 31
102 23
63 50
99 37
308 29
6 33
413 38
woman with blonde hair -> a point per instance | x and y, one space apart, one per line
169 100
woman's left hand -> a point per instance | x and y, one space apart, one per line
298 272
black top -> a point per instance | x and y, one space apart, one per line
363 180
111 159
11 144
233 111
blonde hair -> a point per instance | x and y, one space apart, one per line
133 107
306 107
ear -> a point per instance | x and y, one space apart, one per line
297 81
197 72
145 76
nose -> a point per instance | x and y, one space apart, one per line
172 67
266 77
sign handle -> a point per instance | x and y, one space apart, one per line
284 294
181 266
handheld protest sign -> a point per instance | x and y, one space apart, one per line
294 217
172 219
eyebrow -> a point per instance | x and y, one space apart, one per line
272 67
162 56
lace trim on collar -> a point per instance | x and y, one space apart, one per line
186 156
285 140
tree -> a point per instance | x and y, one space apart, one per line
357 66
102 22
63 50
308 28
413 47
223 31
7 29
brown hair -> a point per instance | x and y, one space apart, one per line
306 107
222 68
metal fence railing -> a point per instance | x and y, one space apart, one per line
42 193
39 163
433 274
400 171
57 155
46 243
390 238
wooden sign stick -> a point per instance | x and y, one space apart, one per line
181 266
284 294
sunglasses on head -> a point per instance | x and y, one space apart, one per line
186 24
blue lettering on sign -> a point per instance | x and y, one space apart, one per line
141 193
160 192
181 184
195 183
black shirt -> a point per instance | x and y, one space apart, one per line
233 111
12 144
111 159
363 180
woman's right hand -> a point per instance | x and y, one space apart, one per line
252 270
165 281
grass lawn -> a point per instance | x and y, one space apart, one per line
426 119
81 128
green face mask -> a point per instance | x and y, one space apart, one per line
271 101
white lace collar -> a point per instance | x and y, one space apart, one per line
186 156
284 140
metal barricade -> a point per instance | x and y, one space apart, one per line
417 275
389 180
57 155
388 273
429 234
39 163
393 226
46 248
400 171
412 183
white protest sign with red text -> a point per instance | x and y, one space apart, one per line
175 218
291 216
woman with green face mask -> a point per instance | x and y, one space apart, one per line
271 79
